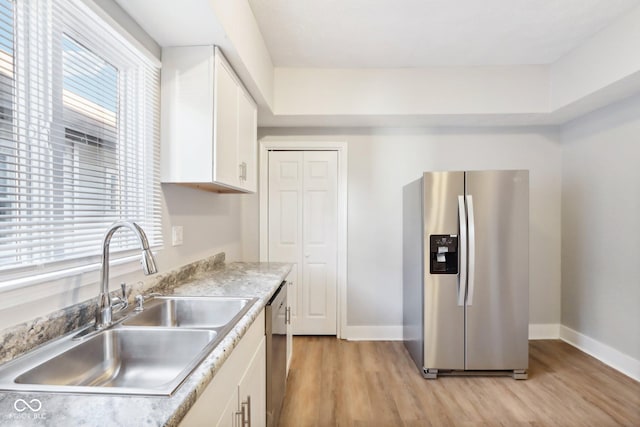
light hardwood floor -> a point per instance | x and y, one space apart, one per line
341 383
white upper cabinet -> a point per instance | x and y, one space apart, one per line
247 141
209 122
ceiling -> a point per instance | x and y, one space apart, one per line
421 33
345 62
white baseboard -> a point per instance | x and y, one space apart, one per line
603 352
544 331
373 333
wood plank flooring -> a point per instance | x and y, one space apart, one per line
341 383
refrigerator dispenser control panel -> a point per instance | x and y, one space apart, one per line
444 254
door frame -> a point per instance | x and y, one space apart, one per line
300 144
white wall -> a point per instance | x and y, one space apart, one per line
601 227
249 55
410 91
382 161
607 57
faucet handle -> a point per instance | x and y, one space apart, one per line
121 301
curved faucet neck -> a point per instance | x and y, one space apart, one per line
137 230
103 316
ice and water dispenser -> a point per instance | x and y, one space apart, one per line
444 254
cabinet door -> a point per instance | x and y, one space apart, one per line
225 125
230 415
208 410
187 114
254 386
220 399
247 141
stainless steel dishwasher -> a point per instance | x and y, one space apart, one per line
276 332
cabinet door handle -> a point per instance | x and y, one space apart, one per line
246 415
237 414
243 171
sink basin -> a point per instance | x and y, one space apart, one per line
191 312
149 353
116 361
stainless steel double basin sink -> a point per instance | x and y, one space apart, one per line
148 353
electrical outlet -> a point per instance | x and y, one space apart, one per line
176 235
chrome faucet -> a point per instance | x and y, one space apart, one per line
105 309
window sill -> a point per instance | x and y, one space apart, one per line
54 284
61 274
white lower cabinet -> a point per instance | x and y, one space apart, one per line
237 393
230 414
253 391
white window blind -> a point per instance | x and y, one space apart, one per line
79 141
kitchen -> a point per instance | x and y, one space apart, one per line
570 120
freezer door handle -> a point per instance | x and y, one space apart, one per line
462 251
472 250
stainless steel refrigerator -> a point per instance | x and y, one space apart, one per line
466 272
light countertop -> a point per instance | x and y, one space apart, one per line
58 409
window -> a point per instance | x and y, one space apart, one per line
79 141
8 160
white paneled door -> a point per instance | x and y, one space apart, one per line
303 228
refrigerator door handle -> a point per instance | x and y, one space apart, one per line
472 250
462 249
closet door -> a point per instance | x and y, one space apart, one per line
303 231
